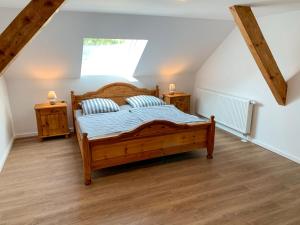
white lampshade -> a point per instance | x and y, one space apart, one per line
172 88
52 97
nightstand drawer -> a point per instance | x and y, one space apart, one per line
52 120
180 100
52 111
183 106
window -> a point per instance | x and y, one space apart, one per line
111 57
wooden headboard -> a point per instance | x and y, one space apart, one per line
118 92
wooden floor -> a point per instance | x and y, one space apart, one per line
244 184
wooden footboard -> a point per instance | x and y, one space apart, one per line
151 140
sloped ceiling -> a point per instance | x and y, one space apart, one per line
175 46
214 9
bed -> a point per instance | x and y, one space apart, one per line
145 139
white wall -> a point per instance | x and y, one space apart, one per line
25 93
52 60
6 124
231 69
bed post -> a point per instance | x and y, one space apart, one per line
87 158
211 138
157 91
73 108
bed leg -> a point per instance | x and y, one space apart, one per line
87 171
87 180
211 138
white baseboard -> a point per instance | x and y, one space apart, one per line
252 140
275 150
234 132
31 134
6 152
8 148
261 144
26 135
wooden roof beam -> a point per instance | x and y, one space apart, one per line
260 50
22 29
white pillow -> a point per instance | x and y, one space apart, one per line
99 105
144 101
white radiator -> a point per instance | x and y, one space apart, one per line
230 111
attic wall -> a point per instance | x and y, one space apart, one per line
6 123
231 69
52 60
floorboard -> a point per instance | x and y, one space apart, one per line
244 184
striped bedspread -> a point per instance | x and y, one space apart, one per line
103 124
164 112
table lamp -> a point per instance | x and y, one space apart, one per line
52 97
172 89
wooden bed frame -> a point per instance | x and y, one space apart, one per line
150 140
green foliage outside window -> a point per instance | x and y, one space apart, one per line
98 41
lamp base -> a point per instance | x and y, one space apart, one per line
52 102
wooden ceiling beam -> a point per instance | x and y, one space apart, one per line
22 29
260 50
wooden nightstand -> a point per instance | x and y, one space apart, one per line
180 100
52 120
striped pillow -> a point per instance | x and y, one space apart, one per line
99 105
144 101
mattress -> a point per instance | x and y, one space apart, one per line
114 123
